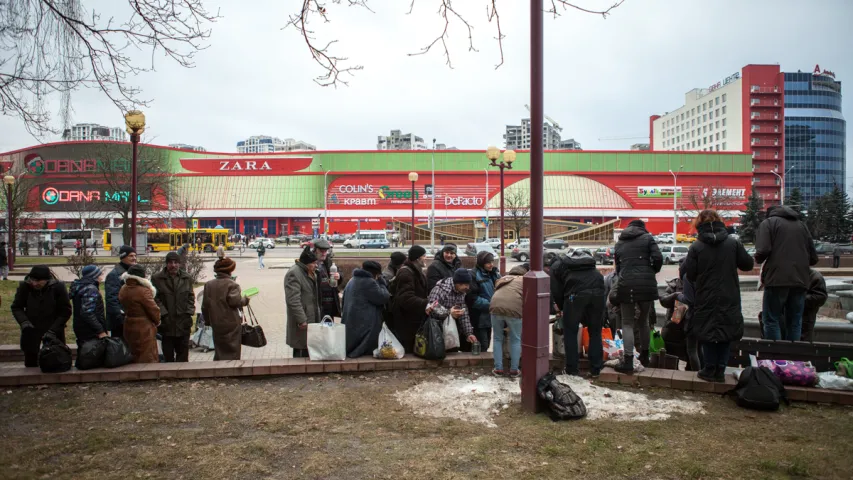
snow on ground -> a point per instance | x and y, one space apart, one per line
480 399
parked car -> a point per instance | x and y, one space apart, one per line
338 238
374 243
604 256
664 238
268 243
494 242
515 243
522 253
556 244
472 249
684 238
673 254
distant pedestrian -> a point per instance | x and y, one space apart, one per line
261 251
78 247
4 261
287 241
20 247
836 256
220 251
95 247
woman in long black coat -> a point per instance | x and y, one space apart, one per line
365 297
712 267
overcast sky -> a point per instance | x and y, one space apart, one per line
603 77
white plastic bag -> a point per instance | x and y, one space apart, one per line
451 333
327 340
388 343
834 382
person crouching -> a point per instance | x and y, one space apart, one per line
450 294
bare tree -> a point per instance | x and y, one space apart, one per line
334 66
517 210
56 47
23 211
713 197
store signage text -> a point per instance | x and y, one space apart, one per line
724 192
463 201
385 193
828 73
52 196
731 78
658 192
247 165
367 188
39 166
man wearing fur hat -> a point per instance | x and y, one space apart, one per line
301 293
115 315
176 300
40 305
221 299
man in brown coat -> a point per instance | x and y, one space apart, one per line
176 300
220 303
301 293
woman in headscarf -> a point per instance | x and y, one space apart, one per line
220 309
142 315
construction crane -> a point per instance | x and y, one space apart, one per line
553 122
613 139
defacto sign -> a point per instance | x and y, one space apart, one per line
658 192
463 201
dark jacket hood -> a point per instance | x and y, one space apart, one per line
632 231
80 283
712 233
578 262
784 212
361 273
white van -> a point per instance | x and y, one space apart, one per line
365 235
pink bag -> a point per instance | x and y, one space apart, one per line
801 374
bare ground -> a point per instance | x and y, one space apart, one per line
352 427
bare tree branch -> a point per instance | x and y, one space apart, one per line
443 10
493 14
566 5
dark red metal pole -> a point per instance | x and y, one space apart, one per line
134 139
501 236
413 214
10 228
537 298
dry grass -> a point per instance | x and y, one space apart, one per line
350 427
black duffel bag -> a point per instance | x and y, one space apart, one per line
91 354
116 353
54 356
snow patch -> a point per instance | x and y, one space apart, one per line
480 399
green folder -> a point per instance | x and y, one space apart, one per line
251 292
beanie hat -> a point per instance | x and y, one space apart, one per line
449 247
484 258
136 271
397 258
173 256
416 252
92 272
224 265
125 250
371 267
637 223
462 276
40 272
307 256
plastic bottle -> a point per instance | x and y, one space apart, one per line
333 282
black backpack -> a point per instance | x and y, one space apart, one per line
54 356
563 403
759 389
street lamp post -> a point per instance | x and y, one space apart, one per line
135 122
782 182
487 203
413 177
432 213
493 153
674 201
9 180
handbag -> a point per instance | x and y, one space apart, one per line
327 340
252 334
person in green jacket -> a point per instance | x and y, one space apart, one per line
176 300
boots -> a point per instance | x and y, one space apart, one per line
626 365
644 358
708 373
720 374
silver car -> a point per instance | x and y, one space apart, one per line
673 254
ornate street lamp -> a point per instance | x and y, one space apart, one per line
10 228
413 177
134 120
492 153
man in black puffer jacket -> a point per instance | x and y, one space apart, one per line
443 265
41 304
638 259
578 289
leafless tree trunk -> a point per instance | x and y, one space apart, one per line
516 211
713 197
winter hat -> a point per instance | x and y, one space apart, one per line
92 272
397 258
637 223
307 256
518 271
416 252
40 272
224 265
449 247
125 250
371 267
173 256
484 258
136 271
322 244
462 276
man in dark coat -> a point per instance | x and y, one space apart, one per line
176 299
815 298
397 260
638 259
301 294
4 261
445 263
836 257
712 267
90 321
409 306
578 288
330 299
41 304
364 301
479 297
783 243
112 285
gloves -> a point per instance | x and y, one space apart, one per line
27 324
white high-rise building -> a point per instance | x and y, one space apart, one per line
92 131
400 141
517 137
267 144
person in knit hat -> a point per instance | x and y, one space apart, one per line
450 293
397 259
112 285
443 265
40 306
221 299
409 306
89 321
484 275
365 297
176 299
302 296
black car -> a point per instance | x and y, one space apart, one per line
556 243
604 256
337 238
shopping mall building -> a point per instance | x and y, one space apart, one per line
272 194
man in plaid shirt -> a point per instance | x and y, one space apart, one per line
450 294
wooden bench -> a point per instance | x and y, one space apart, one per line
822 355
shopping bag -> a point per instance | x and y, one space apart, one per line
791 372
429 341
203 338
656 342
117 353
389 347
678 312
252 334
327 340
451 333
54 356
91 354
558 347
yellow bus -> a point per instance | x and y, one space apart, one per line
168 239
